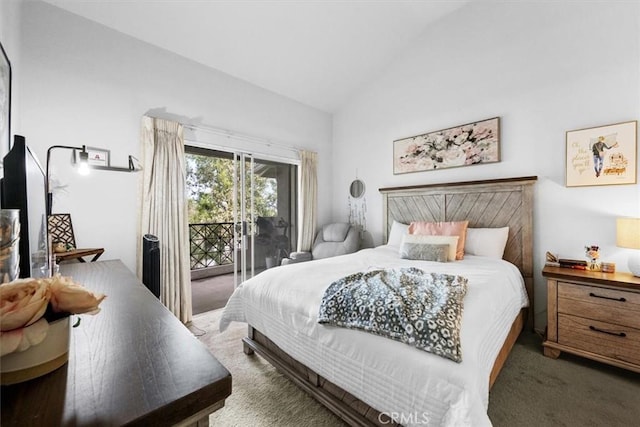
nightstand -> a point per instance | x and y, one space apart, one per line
594 315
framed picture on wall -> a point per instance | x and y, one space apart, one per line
96 157
99 157
602 155
5 103
463 145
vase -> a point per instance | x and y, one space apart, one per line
9 244
40 359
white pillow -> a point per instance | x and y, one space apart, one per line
398 230
489 242
452 241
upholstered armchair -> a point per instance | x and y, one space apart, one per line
332 240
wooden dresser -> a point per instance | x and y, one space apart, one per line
593 314
132 364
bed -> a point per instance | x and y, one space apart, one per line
370 380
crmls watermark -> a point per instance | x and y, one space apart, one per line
403 418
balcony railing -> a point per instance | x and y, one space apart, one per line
211 244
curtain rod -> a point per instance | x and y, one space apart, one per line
249 138
257 155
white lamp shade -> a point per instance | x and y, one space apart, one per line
628 233
628 236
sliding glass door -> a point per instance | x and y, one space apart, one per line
242 212
243 216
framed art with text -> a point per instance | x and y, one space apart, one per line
603 155
464 145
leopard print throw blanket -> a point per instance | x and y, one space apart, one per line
410 305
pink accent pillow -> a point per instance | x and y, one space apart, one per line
452 228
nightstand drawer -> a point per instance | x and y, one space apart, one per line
617 342
613 306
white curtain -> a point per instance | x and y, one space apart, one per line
308 203
163 211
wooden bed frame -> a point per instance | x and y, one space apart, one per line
488 203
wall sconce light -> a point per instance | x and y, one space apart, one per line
83 167
628 236
83 163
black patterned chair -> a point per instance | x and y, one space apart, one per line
63 240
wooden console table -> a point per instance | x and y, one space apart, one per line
133 363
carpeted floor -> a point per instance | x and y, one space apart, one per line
532 390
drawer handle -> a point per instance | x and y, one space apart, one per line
617 334
621 299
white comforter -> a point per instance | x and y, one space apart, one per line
412 386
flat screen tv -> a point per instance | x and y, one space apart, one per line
23 187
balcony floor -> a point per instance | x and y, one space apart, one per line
211 293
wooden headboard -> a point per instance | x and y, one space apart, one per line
489 203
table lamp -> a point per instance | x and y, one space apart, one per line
628 236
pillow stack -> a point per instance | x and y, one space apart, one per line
446 241
451 228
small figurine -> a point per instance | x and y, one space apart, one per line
593 253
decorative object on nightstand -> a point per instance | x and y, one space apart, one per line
551 260
594 315
593 253
628 236
608 267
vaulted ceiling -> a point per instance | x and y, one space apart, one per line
316 52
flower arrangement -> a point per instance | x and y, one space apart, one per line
27 306
593 253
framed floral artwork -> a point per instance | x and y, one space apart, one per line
603 155
464 145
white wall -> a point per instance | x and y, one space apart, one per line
544 69
85 84
10 12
